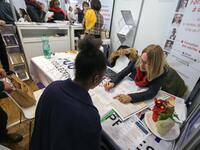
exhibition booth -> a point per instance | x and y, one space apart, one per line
173 25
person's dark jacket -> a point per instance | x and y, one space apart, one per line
174 84
153 86
6 13
80 16
59 14
34 11
1 86
66 119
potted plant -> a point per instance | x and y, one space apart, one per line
163 115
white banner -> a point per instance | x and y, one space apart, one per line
185 48
106 11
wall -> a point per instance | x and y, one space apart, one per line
154 22
21 4
118 22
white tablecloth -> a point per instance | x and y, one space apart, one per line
44 70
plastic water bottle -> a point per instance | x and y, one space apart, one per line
46 47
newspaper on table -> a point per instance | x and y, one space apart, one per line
153 143
126 135
105 98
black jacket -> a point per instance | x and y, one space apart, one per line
1 86
66 119
35 14
6 13
80 16
153 86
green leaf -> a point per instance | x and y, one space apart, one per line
164 116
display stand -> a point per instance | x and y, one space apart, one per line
127 32
14 52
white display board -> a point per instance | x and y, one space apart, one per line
106 11
184 55
118 22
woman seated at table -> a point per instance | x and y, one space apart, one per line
59 14
151 71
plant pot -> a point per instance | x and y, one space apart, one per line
164 126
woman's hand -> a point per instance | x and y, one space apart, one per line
108 85
123 98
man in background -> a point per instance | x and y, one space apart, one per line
6 12
35 10
85 7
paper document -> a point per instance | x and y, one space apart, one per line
153 143
125 87
126 110
128 134
102 108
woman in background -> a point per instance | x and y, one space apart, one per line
81 13
94 20
59 14
35 10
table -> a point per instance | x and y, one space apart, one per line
45 71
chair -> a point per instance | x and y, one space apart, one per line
29 113
174 84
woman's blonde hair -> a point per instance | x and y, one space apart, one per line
155 61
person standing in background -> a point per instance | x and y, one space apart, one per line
35 10
6 12
81 13
94 20
59 14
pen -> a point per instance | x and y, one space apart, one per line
106 116
141 127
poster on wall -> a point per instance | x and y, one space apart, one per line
183 45
106 11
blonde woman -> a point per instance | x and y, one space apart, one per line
148 71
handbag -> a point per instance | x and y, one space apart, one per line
22 94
